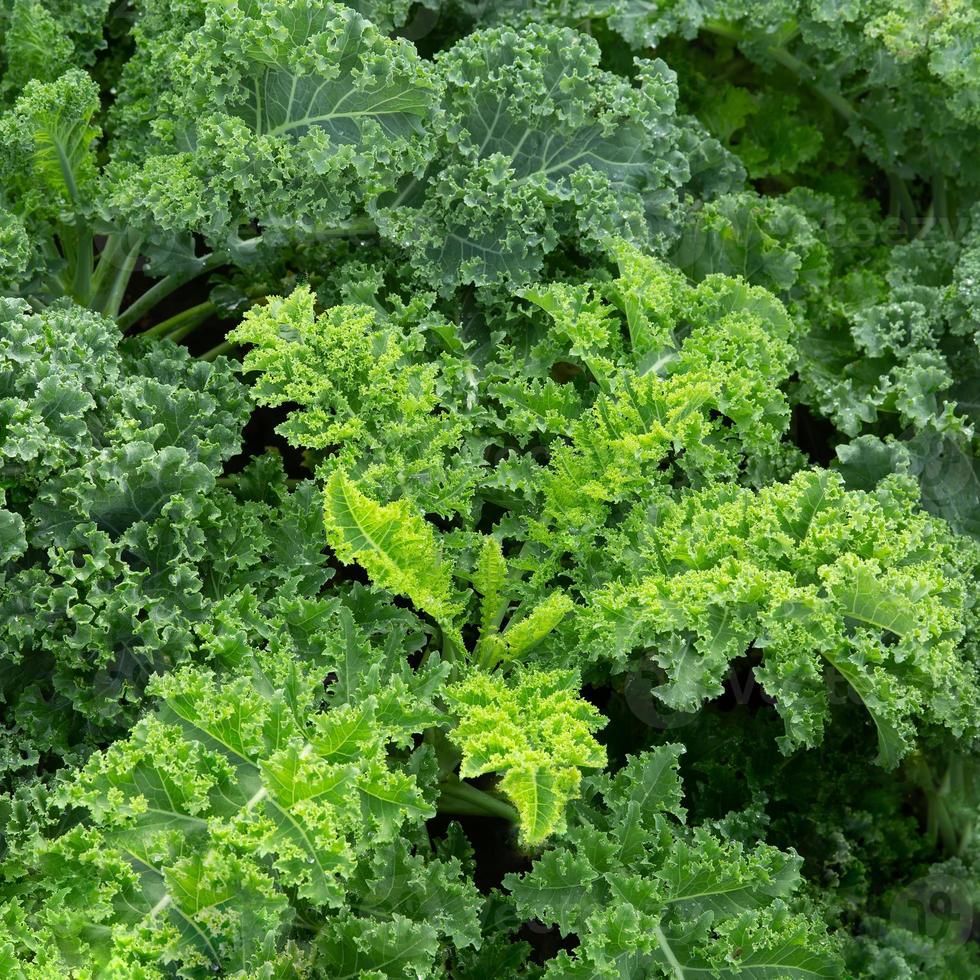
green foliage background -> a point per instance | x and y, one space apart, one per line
489 489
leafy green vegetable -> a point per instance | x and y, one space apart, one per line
398 549
644 893
116 536
489 489
233 797
537 145
810 575
537 733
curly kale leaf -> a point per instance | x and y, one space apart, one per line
363 389
397 547
41 37
264 128
674 404
893 345
537 145
116 536
647 896
416 405
537 733
290 115
902 78
243 810
812 577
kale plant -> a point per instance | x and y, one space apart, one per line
489 489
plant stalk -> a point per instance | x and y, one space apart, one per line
82 280
181 323
159 291
464 798
106 262
225 347
121 279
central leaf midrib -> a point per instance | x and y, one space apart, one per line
262 113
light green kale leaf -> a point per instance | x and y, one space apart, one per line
396 546
402 554
689 393
810 577
244 808
362 387
536 732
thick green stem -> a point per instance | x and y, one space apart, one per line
67 252
944 821
947 831
105 264
176 336
485 656
721 29
225 347
82 280
162 289
450 649
942 827
460 797
121 279
491 651
675 966
182 323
